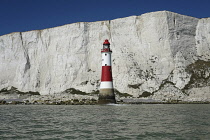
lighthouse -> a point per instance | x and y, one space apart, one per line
106 94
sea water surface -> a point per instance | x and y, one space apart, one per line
147 121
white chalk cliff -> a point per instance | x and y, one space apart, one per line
162 54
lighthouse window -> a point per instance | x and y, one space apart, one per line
105 54
105 64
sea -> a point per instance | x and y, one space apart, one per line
105 122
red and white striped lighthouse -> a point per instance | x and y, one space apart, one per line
106 94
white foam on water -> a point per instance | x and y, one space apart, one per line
116 104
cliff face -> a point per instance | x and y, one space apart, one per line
161 54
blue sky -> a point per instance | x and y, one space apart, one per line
26 15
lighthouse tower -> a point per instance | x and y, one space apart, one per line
106 94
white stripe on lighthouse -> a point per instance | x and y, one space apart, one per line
106 59
106 84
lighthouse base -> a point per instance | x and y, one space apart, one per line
106 96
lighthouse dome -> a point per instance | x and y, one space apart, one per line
106 42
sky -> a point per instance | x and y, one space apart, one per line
26 15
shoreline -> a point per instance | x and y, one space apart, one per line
95 102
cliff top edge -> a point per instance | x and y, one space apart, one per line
145 14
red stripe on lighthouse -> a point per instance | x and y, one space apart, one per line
106 73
